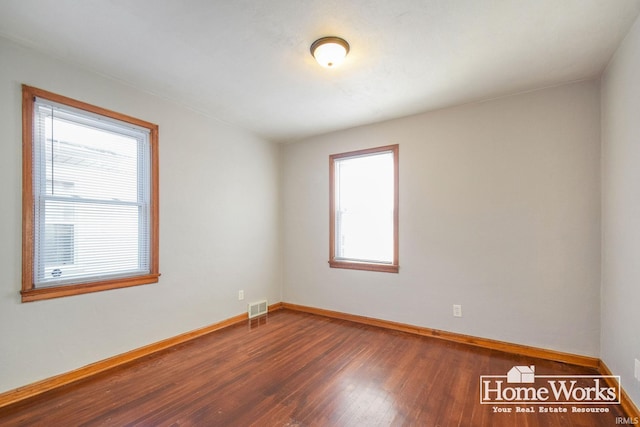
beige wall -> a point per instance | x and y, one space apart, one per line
620 337
499 212
219 230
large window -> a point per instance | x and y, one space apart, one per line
90 198
364 209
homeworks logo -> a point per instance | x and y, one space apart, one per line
522 386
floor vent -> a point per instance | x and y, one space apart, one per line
258 308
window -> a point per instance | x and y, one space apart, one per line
364 209
59 241
90 198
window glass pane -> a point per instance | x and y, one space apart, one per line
364 208
92 198
103 239
86 162
60 244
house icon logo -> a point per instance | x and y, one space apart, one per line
521 374
521 386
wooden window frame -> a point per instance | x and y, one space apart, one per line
29 291
357 265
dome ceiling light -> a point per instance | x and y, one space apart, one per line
329 51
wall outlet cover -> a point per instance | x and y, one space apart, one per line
636 371
457 310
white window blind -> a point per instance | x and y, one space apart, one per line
364 200
91 182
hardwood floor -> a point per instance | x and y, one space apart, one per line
298 369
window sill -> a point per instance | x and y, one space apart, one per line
85 288
351 265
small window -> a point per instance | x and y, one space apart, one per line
59 238
90 198
364 209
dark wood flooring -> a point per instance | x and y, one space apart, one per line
297 369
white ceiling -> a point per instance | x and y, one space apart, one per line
247 62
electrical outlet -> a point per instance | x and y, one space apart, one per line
457 310
240 295
636 371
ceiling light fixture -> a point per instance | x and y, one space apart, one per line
329 51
